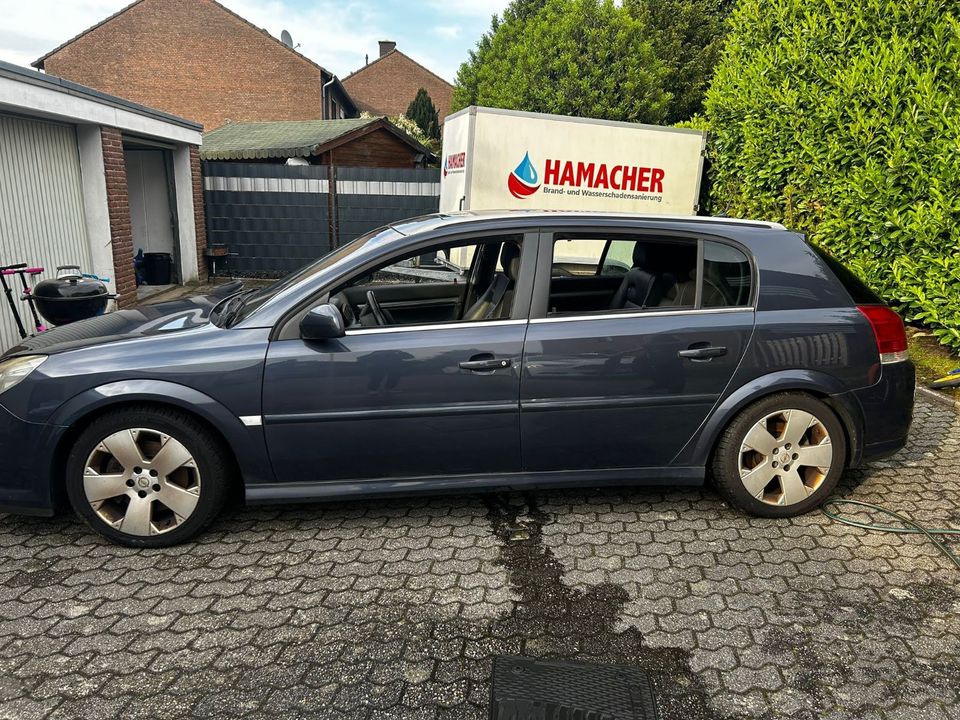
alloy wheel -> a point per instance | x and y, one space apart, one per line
141 481
785 457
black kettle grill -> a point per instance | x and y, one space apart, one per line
70 296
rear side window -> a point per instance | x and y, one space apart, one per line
726 276
859 292
598 272
583 256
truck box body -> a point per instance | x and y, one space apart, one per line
503 159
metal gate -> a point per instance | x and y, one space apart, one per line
41 202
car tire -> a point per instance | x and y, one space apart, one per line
147 477
781 456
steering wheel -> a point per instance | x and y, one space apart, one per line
375 308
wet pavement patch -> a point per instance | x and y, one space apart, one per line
40 578
557 621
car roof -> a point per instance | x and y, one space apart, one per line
440 220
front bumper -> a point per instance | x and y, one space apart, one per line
887 408
26 465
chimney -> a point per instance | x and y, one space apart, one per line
366 59
387 46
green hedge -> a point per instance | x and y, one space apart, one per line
842 120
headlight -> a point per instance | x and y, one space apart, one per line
16 369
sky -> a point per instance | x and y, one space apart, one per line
334 33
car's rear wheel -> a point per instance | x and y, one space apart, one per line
781 456
147 477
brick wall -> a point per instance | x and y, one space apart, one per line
195 59
118 207
196 177
388 86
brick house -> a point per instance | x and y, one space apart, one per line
89 179
199 60
389 84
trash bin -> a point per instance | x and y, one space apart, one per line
157 268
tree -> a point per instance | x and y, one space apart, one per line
424 113
688 37
840 119
588 58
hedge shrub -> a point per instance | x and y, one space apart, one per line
841 118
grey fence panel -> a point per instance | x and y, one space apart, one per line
276 218
273 219
368 198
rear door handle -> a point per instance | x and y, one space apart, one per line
481 363
702 353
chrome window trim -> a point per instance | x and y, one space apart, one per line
435 326
564 318
649 314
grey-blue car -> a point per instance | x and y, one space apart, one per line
465 352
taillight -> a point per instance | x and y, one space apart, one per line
888 329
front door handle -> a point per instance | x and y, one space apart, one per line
485 363
702 353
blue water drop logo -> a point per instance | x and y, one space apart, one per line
526 171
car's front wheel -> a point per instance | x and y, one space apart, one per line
781 456
147 477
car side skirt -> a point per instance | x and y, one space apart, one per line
394 487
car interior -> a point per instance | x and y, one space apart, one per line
655 274
459 283
477 281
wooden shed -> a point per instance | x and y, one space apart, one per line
361 142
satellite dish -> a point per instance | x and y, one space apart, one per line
286 39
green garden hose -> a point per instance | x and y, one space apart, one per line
909 527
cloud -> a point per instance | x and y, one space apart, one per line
336 35
470 8
447 31
31 29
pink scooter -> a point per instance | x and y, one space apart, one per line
22 270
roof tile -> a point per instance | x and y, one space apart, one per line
253 140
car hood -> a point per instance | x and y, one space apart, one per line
162 318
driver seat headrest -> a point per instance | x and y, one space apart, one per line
510 260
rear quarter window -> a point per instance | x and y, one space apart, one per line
726 276
857 289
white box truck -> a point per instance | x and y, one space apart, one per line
503 159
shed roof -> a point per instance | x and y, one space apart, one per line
302 138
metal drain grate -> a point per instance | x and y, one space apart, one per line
533 689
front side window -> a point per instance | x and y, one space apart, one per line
598 273
468 281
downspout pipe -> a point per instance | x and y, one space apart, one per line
323 95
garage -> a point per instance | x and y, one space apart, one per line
89 179
41 198
152 207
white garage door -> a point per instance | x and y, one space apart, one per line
41 205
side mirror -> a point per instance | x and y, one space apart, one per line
324 322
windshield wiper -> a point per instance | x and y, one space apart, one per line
231 306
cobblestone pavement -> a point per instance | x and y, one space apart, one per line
395 609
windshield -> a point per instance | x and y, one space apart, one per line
257 299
